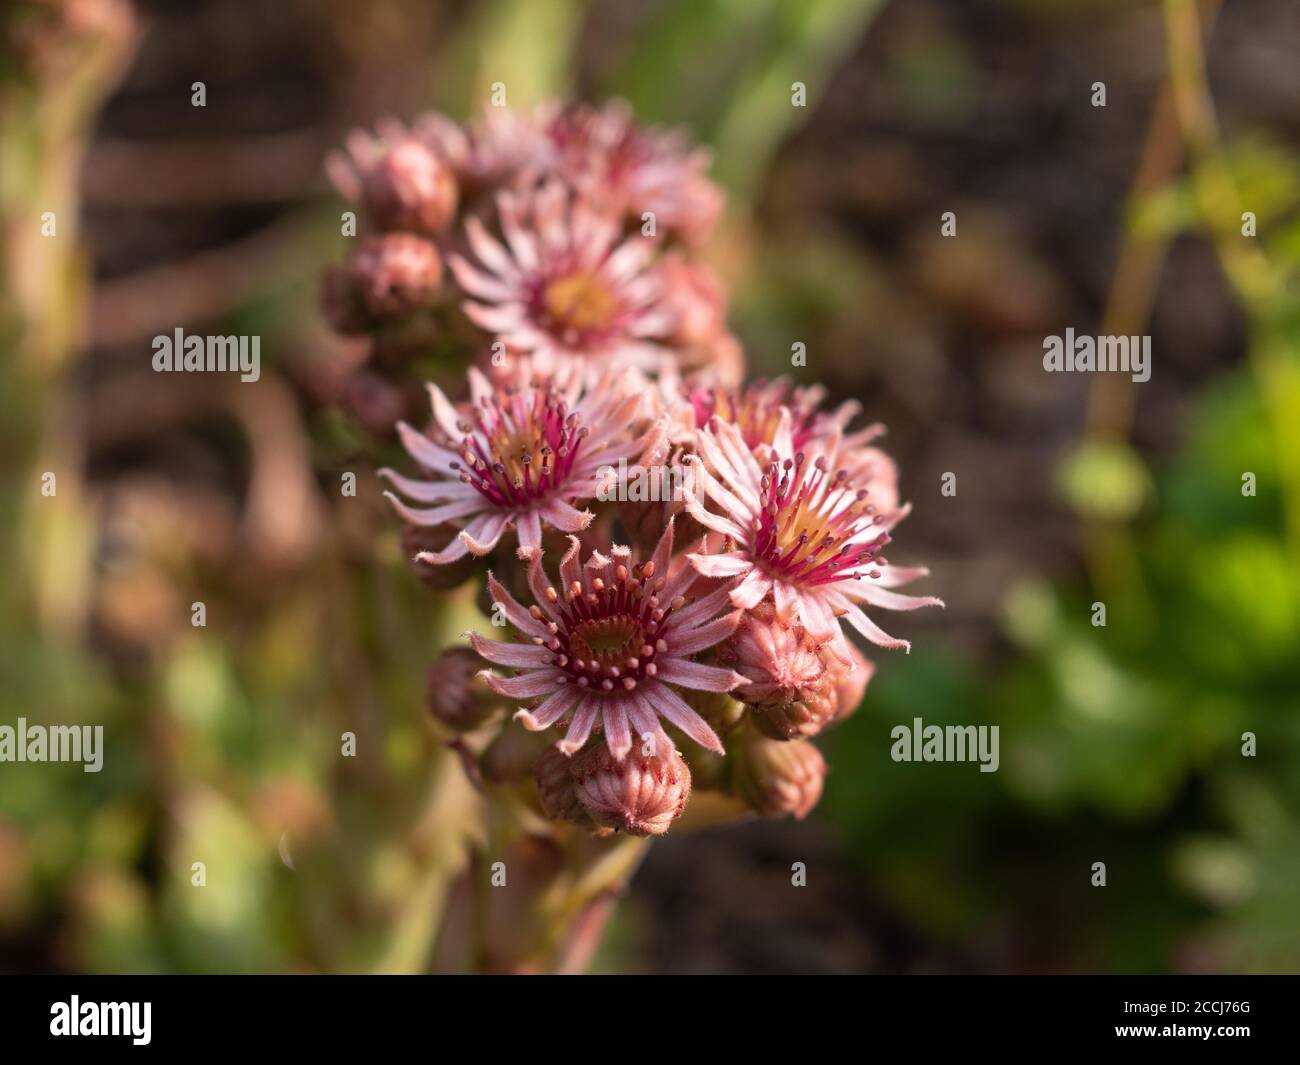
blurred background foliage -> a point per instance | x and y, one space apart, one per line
1120 743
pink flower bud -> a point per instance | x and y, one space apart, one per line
375 401
340 302
455 694
410 189
512 755
641 795
776 777
792 689
556 793
395 275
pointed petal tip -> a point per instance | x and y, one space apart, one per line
526 718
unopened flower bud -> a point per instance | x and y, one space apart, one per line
455 694
410 189
719 709
375 401
340 302
513 753
396 275
776 777
556 793
641 795
792 690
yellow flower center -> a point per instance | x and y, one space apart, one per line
580 302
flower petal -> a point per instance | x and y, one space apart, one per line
551 709
518 655
584 719
698 676
697 639
669 705
618 736
538 682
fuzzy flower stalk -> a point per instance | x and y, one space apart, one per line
534 331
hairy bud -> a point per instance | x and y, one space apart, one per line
513 754
641 795
410 189
376 401
776 777
454 693
395 275
340 302
556 793
793 687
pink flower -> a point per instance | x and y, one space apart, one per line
774 416
500 146
564 285
519 455
603 153
798 530
403 183
610 645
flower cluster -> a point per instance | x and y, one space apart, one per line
696 638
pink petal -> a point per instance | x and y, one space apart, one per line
752 590
732 564
539 682
562 516
451 553
425 451
570 573
483 532
786 599
710 520
514 612
489 251
584 719
695 675
530 529
479 284
873 632
438 515
646 722
882 597
687 643
701 610
552 708
669 705
444 413
428 491
518 655
618 736
817 614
